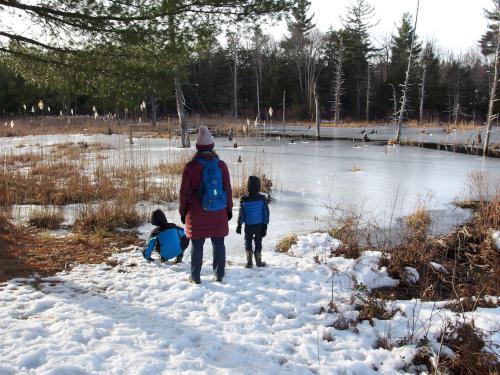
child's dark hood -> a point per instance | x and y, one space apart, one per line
158 218
253 185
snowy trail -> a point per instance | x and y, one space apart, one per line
146 318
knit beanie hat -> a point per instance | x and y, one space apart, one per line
205 141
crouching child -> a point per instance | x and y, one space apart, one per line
167 238
254 213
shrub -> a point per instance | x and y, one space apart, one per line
285 243
467 343
373 308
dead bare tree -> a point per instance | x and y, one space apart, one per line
407 78
312 51
422 91
180 103
258 42
233 44
368 90
318 113
339 80
491 116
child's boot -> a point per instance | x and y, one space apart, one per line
249 259
258 259
178 258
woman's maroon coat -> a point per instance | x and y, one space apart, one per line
201 223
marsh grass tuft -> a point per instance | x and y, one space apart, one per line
286 242
46 218
107 217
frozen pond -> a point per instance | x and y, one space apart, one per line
309 176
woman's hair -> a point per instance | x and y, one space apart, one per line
205 152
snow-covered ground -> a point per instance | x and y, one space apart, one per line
146 318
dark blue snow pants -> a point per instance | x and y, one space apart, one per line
219 256
253 233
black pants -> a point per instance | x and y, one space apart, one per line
253 233
219 255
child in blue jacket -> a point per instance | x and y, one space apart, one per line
168 239
254 213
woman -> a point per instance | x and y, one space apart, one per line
206 204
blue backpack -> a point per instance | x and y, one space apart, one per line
212 195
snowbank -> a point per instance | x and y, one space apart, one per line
496 238
146 318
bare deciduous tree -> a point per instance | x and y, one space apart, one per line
404 99
339 80
491 116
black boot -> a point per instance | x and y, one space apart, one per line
178 258
249 260
258 260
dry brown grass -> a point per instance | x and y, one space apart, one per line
52 179
74 151
29 157
285 243
467 343
175 166
69 125
106 217
25 251
467 254
46 218
258 168
346 225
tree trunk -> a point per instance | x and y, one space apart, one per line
339 80
179 99
422 96
492 99
368 89
284 111
258 96
153 111
407 79
235 86
318 114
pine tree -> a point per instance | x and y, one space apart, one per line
359 49
300 21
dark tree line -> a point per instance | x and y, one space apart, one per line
245 72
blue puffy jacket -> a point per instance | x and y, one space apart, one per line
168 242
253 210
